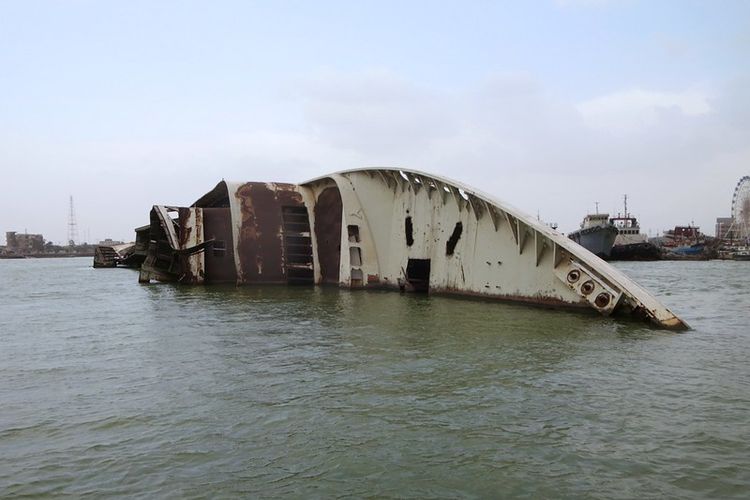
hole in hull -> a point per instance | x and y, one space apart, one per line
418 274
409 231
450 245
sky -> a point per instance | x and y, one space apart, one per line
551 106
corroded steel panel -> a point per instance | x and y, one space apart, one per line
190 234
260 244
219 258
161 260
328 233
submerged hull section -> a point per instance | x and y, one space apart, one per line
408 230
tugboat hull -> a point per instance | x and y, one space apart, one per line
636 251
597 240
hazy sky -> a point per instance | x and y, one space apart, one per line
550 105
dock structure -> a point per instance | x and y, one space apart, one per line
385 228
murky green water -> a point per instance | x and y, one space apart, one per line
111 388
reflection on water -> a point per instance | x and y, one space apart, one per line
114 388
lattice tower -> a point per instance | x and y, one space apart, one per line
72 225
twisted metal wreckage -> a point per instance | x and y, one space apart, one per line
384 228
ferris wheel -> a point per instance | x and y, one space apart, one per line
741 208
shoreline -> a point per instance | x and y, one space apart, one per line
45 256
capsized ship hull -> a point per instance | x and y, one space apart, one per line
385 228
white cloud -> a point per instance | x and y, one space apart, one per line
678 153
511 137
376 114
631 110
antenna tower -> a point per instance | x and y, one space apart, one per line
72 225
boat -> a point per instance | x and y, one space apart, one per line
696 249
686 243
597 235
384 228
741 253
630 243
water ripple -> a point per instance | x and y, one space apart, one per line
110 388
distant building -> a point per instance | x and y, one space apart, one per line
23 243
724 229
108 242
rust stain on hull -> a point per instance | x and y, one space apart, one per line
219 260
260 245
328 233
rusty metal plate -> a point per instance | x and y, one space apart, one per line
328 211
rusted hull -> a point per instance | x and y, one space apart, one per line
105 256
386 228
261 243
219 259
239 233
328 234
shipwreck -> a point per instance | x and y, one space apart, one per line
384 228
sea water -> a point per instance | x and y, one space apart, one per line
112 388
